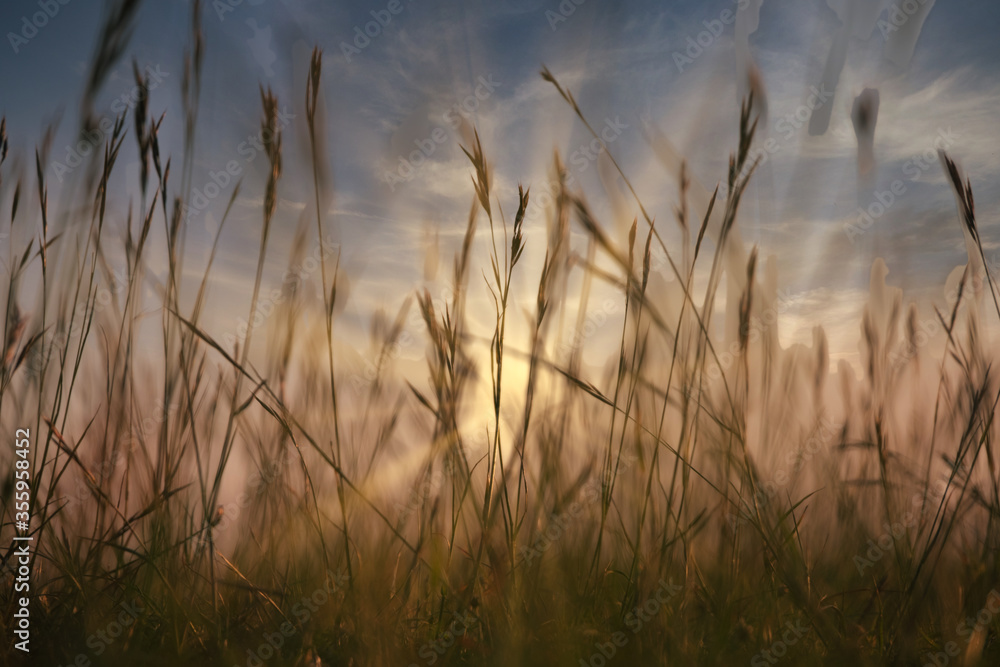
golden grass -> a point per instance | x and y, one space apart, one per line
681 509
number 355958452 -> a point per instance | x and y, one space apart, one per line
21 474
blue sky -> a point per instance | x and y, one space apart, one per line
404 88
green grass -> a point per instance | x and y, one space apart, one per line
702 502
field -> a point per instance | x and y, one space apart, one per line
624 466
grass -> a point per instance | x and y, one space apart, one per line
704 501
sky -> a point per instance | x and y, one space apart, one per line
404 80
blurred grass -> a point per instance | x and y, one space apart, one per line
683 508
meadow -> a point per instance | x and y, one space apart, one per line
693 494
